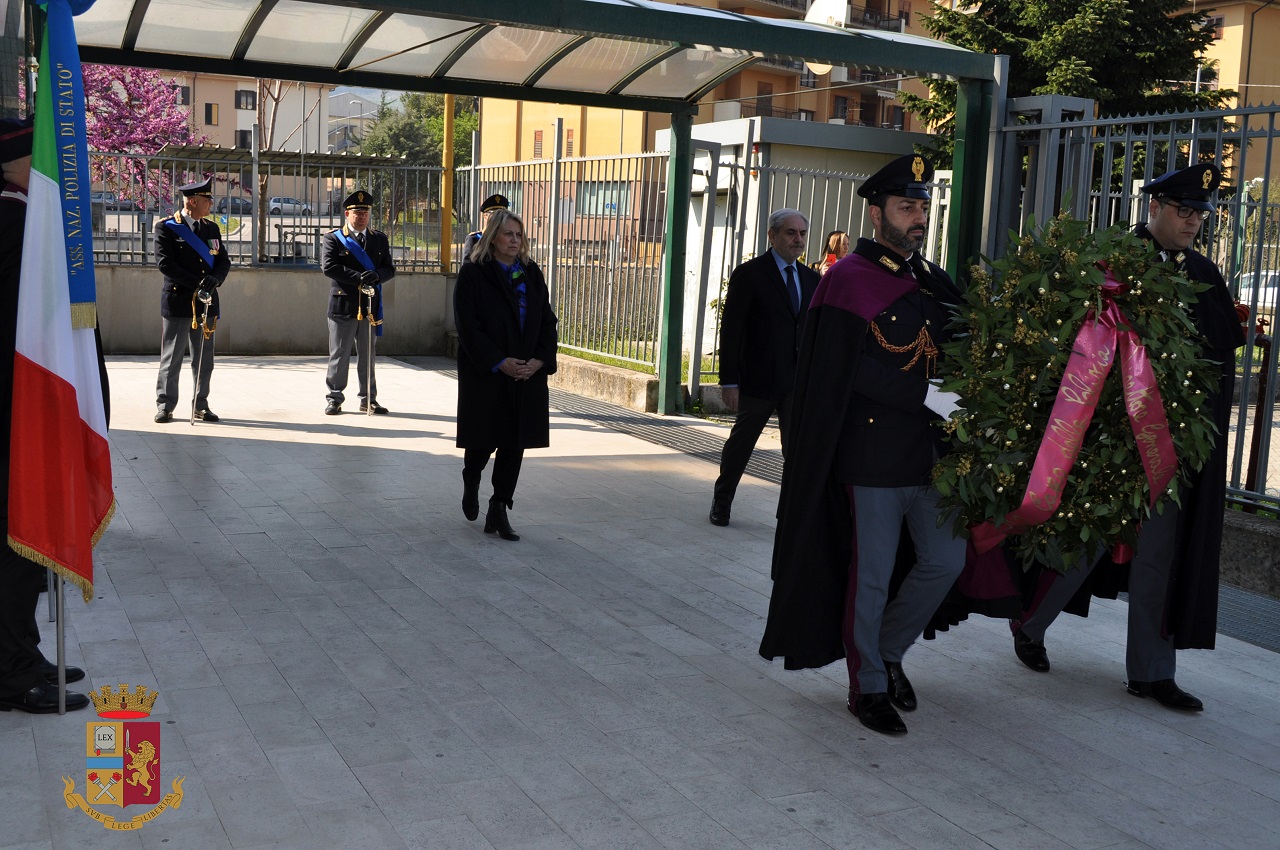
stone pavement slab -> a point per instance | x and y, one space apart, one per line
344 660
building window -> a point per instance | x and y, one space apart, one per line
244 139
609 198
904 12
568 143
246 99
840 107
897 117
805 115
808 79
183 95
211 114
764 99
1215 23
537 144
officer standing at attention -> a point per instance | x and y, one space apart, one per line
357 261
491 204
194 263
866 433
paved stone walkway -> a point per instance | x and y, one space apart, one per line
344 661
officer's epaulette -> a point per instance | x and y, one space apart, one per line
890 264
177 216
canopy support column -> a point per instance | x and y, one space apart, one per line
969 174
679 190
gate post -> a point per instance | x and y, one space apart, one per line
679 188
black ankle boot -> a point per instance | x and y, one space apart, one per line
496 520
470 495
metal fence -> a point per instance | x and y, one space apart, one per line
1056 156
277 217
596 227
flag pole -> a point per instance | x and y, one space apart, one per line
62 648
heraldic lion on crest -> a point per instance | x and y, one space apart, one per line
140 765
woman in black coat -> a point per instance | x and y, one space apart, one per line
506 350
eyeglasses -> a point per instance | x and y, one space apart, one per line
1187 212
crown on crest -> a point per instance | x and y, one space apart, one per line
108 703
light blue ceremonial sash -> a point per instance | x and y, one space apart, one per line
363 258
189 236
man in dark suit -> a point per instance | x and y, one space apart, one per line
357 261
194 262
491 205
764 312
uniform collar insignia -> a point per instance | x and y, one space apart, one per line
1180 258
177 216
890 264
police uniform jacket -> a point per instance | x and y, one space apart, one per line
183 268
344 270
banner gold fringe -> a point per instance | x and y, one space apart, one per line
85 585
84 314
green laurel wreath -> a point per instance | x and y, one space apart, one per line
1021 319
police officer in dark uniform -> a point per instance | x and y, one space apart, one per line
357 261
194 262
491 204
866 414
1173 578
28 681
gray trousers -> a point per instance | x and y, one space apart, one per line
1149 656
176 338
874 633
342 332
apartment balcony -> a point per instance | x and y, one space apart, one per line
756 109
861 17
750 7
781 66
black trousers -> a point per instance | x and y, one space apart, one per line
21 664
506 470
753 415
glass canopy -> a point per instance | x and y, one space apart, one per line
625 53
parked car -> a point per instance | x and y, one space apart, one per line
110 201
235 204
291 206
1270 287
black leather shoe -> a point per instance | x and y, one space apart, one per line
1167 693
1030 652
43 699
471 496
377 408
901 693
163 416
876 713
332 408
496 521
74 674
719 512
206 416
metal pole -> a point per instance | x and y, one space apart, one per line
679 182
62 648
255 197
446 188
553 255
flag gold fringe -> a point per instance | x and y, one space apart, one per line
84 314
85 585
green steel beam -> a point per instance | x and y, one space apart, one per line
969 174
364 78
679 189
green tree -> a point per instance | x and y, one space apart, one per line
1130 57
416 130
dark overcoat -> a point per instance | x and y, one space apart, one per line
494 410
183 268
759 335
343 270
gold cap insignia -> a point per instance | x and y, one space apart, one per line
917 169
1208 177
888 263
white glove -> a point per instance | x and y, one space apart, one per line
940 402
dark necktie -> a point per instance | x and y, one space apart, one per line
360 239
793 291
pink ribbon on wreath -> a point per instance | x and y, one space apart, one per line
1100 337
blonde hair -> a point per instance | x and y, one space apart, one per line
482 251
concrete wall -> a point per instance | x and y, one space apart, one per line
274 311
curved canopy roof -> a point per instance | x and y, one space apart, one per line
633 54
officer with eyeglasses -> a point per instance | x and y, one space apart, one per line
1173 578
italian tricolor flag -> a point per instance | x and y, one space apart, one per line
60 496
